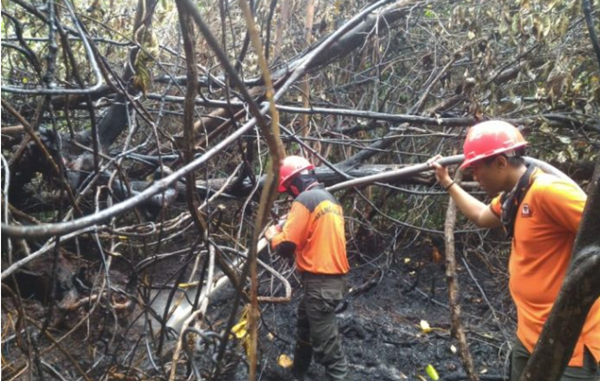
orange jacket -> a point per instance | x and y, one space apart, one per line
545 228
315 225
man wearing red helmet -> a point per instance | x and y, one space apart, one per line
314 232
541 213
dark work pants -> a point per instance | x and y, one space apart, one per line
318 330
520 355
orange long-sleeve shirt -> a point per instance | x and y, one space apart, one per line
315 225
545 228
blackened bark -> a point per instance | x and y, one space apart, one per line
589 20
458 331
110 127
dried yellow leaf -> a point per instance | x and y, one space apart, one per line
239 330
284 361
425 326
436 256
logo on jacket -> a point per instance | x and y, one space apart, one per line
525 211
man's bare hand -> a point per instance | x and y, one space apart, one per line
441 172
272 231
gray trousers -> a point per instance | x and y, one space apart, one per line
520 355
318 331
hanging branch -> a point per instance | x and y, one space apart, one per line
587 11
187 33
282 22
269 193
305 85
567 119
24 47
268 28
367 114
62 91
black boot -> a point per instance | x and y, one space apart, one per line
302 359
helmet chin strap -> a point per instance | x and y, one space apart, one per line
293 191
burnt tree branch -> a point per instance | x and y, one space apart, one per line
458 330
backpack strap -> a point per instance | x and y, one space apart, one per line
512 201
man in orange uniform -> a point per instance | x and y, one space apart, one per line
314 231
541 213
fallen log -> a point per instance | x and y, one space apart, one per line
63 228
418 168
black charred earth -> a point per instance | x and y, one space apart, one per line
395 295
392 300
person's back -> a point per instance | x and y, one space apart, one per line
324 249
314 233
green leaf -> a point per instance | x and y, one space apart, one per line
516 23
432 373
547 25
563 26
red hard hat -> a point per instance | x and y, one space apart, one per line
490 138
291 166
